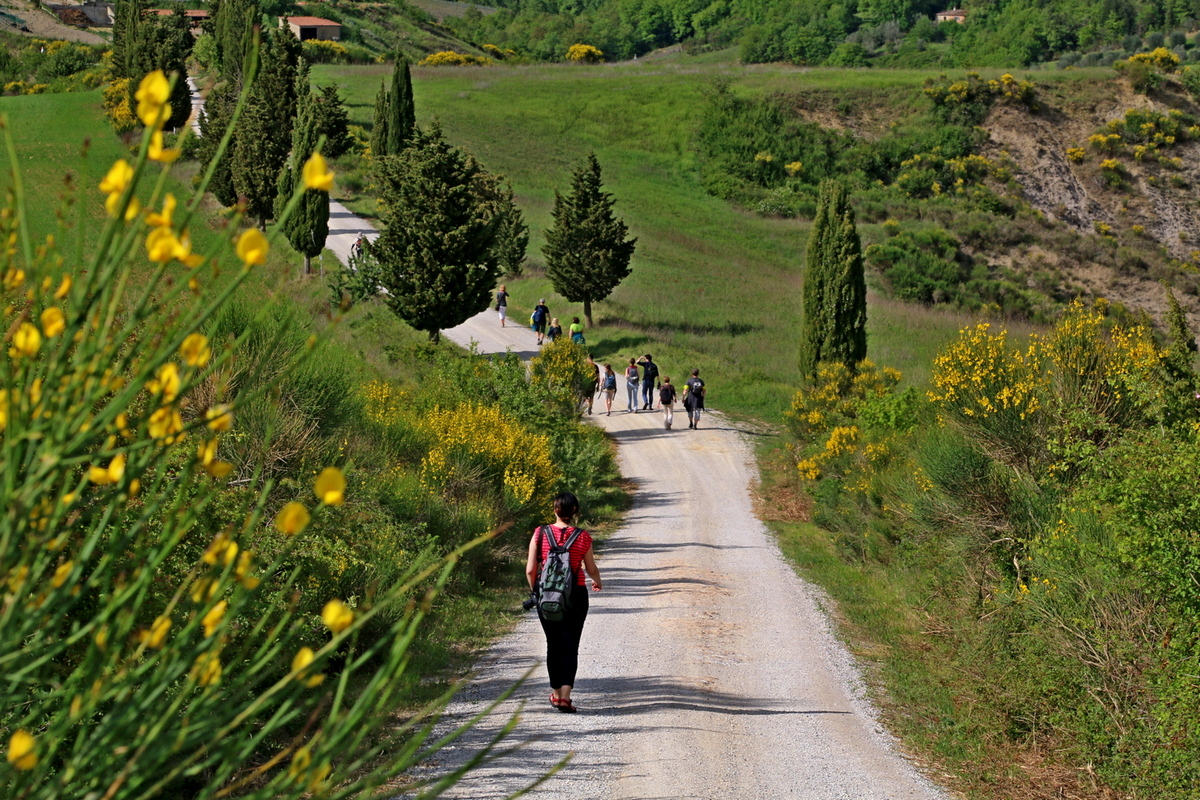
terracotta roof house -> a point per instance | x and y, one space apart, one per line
954 15
195 16
307 28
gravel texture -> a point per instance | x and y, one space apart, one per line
707 669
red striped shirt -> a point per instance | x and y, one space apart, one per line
578 550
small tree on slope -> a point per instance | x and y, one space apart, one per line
308 226
395 114
834 327
587 254
435 255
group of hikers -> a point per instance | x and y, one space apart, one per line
605 380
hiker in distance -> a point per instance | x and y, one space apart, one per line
631 386
666 399
609 387
502 304
562 599
693 399
554 331
593 384
649 381
541 320
576 331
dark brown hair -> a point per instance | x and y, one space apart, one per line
566 506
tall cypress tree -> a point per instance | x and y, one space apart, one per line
263 136
1180 362
587 254
214 119
233 34
403 112
308 226
379 128
127 19
165 42
834 327
435 254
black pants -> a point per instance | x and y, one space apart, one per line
562 640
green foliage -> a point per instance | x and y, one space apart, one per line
332 122
512 234
233 33
308 226
835 290
395 114
587 254
922 265
435 254
214 121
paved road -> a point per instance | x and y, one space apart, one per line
708 669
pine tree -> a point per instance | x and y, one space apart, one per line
308 226
587 254
834 327
435 254
403 119
379 127
263 135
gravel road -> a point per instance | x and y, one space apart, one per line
707 669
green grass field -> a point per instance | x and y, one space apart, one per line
712 286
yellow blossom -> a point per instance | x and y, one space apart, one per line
22 750
292 519
163 219
157 634
53 322
113 205
113 473
118 178
26 341
337 616
61 574
218 469
316 174
194 350
304 656
252 247
161 245
152 95
207 669
220 418
208 451
157 152
63 288
166 382
213 618
165 423
330 486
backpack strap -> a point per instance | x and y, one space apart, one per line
565 547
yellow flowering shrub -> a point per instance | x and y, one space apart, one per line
563 370
1160 58
584 54
449 58
1076 154
149 644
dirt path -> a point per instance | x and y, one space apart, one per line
707 668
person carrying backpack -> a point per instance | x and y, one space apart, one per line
558 556
693 400
609 387
666 399
541 318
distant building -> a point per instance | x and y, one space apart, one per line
954 15
195 16
307 28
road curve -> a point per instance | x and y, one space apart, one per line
707 669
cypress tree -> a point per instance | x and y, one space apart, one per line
834 327
403 112
1179 363
263 136
165 43
308 226
379 127
214 119
127 19
435 254
587 254
332 122
233 34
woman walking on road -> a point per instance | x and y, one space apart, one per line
562 636
593 384
631 385
609 387
502 304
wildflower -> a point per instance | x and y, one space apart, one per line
220 418
118 178
157 152
26 341
61 574
113 204
316 174
331 486
195 350
151 96
163 220
22 750
101 476
53 322
304 656
252 247
213 618
63 288
292 519
157 634
166 382
219 469
337 616
207 452
207 669
165 423
161 245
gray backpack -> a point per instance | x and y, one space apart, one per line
556 578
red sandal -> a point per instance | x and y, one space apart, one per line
554 701
566 707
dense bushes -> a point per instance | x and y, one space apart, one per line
37 66
1047 492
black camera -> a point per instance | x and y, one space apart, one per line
530 602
